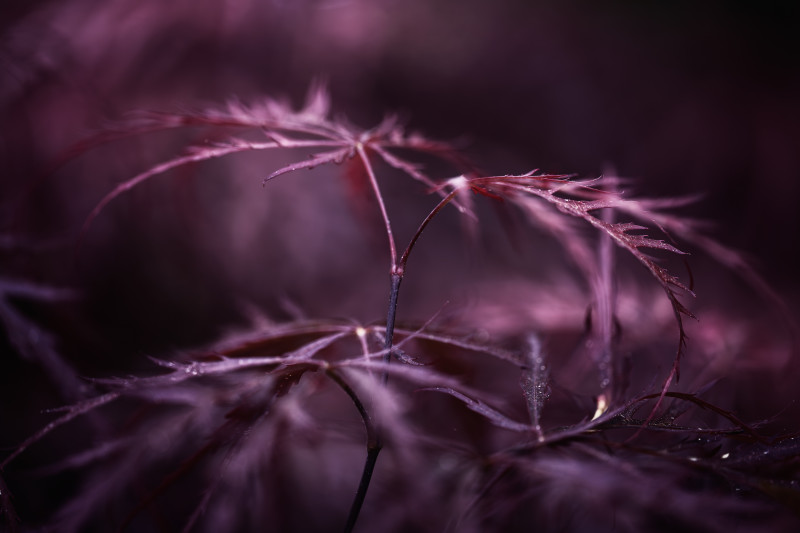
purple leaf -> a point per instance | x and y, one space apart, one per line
534 383
494 416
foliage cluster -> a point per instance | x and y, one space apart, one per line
519 411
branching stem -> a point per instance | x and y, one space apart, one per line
374 439
397 278
401 266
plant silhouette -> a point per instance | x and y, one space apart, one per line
283 426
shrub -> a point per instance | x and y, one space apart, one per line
544 404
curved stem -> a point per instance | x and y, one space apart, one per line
363 486
401 266
372 432
374 446
374 440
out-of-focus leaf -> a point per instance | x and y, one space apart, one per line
491 414
534 383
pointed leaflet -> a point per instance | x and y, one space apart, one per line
491 414
71 412
334 156
195 155
534 383
517 188
183 371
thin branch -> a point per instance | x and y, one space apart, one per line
394 293
362 154
401 266
374 445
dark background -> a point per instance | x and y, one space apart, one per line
682 97
685 97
